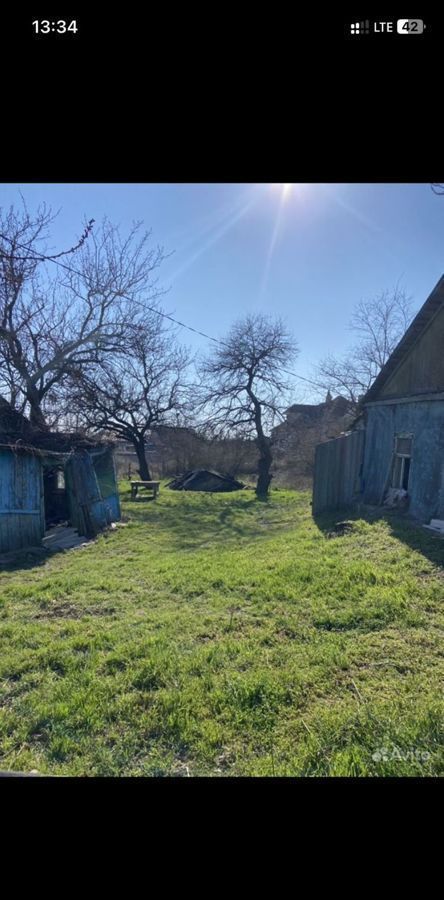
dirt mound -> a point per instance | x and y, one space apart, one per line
205 480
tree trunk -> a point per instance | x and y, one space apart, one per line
264 465
36 416
264 447
144 471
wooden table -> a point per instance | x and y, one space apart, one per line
149 485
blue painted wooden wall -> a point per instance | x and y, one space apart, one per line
93 490
425 421
21 500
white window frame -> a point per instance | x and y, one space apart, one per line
399 468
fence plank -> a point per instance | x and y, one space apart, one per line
337 468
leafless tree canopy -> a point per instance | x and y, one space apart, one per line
57 319
244 386
128 393
379 325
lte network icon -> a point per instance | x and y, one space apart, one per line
360 27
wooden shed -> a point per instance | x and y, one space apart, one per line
56 478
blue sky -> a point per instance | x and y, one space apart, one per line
308 257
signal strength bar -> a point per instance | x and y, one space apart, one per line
360 27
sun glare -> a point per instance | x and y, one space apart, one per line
285 189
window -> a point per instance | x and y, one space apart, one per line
402 461
404 444
60 480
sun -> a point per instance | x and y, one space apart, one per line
285 189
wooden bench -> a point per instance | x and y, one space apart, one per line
149 485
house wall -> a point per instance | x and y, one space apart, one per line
21 500
425 420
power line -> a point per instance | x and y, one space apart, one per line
45 258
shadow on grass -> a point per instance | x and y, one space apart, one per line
401 525
26 558
203 520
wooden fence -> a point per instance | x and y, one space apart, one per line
337 471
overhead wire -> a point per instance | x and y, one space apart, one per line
46 258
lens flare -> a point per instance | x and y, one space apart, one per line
285 189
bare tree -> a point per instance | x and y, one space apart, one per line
244 385
54 320
379 324
127 394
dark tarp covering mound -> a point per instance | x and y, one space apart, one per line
204 480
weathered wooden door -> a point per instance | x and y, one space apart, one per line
89 514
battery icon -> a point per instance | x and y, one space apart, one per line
410 26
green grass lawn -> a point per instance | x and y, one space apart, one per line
217 635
